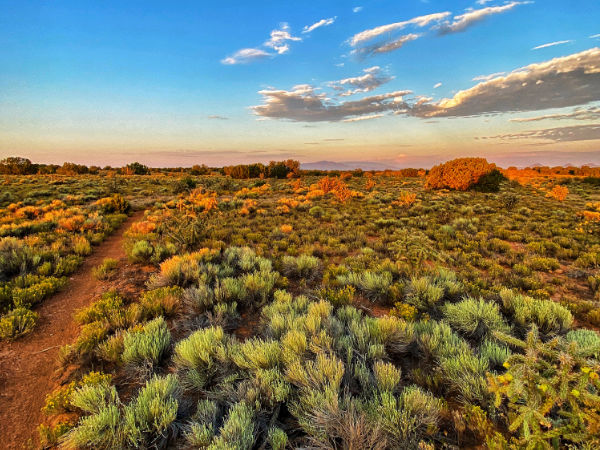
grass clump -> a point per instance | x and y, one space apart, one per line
474 318
17 322
106 270
146 344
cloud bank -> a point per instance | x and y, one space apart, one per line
571 80
560 82
463 21
304 104
372 79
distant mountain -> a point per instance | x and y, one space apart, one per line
347 165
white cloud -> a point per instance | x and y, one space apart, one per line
487 77
591 113
571 80
304 104
551 44
279 39
358 119
560 82
246 55
320 23
437 85
471 17
483 2
385 47
595 36
372 33
357 9
372 79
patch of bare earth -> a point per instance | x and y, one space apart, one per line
28 366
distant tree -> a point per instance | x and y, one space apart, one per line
200 170
464 173
136 168
47 168
15 165
69 168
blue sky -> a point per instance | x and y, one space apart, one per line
186 82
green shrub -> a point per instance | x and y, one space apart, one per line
474 318
105 270
543 264
148 417
102 310
373 285
407 419
201 357
387 376
237 433
141 251
588 342
146 344
17 322
494 353
303 266
34 293
548 316
427 293
277 438
163 301
338 297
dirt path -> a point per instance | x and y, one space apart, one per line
28 366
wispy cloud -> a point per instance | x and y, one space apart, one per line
551 44
305 104
463 21
595 36
437 85
246 55
357 9
558 134
385 47
591 113
560 82
320 23
217 117
487 77
361 118
372 78
421 21
278 41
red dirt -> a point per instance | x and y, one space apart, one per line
28 365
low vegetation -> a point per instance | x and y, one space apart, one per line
453 309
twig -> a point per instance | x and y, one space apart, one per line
45 350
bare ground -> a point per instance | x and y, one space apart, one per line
28 366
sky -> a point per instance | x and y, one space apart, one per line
403 83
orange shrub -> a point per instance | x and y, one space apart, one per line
342 193
72 223
370 184
327 184
286 228
558 192
459 174
405 199
143 227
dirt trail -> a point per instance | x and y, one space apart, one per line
28 365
